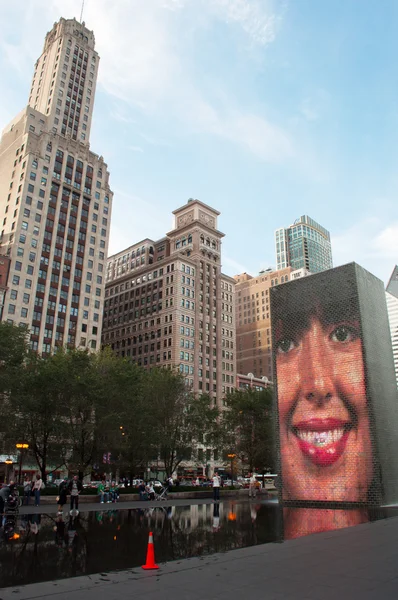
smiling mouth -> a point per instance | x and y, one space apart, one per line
322 441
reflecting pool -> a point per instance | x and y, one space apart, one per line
47 547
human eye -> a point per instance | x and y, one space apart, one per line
284 346
344 334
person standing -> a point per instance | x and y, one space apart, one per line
37 486
101 491
252 486
63 492
75 487
27 490
216 487
142 491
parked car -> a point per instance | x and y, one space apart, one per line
207 483
136 482
235 483
155 483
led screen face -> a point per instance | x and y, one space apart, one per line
324 421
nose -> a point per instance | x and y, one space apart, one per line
317 380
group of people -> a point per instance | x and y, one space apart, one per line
73 487
147 490
32 488
108 492
218 482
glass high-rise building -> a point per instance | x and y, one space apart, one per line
305 244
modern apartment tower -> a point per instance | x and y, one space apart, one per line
392 308
303 245
55 200
167 303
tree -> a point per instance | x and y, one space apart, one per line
178 419
13 352
37 415
248 427
122 413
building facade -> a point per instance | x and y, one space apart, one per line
303 245
55 199
392 308
167 303
249 382
253 322
392 285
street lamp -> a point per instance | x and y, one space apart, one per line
231 457
21 446
8 461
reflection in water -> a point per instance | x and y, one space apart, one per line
52 547
298 522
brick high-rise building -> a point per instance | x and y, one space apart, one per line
253 321
55 200
168 303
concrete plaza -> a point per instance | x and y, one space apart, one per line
357 563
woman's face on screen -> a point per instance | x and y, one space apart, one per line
323 416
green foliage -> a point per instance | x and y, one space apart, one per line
248 428
178 419
72 407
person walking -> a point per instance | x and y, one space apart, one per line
252 486
27 490
216 487
63 493
75 487
37 486
101 491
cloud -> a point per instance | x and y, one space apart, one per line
257 18
308 110
149 62
385 244
155 141
135 149
371 243
134 210
232 267
156 72
315 105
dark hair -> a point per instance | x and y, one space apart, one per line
330 295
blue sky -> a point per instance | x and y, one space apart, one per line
266 110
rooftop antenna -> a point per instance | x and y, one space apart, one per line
81 12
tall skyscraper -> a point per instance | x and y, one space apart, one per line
253 321
55 200
392 285
392 308
168 303
303 245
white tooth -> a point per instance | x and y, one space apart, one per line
321 438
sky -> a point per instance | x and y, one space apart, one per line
264 109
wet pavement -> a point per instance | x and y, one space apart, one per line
104 539
354 563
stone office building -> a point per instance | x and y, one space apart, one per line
55 199
167 303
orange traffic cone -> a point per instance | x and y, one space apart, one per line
150 555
